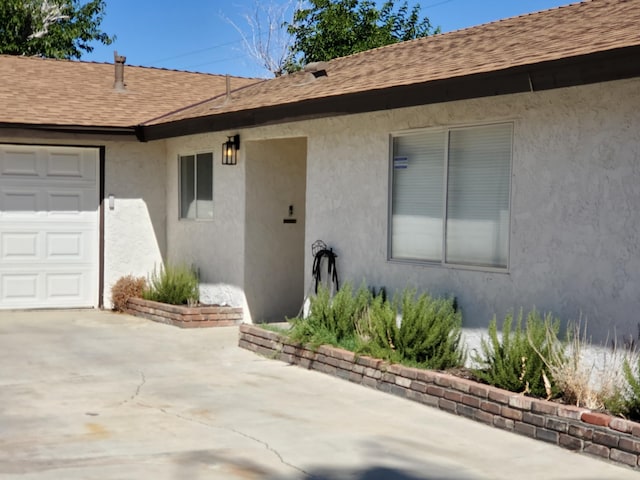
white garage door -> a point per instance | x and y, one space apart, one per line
48 227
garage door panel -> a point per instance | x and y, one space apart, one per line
65 287
48 227
16 246
70 202
19 247
18 287
65 164
50 290
67 203
19 201
19 162
67 246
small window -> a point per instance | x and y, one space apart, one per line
450 196
196 186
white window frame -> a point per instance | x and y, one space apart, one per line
443 262
195 184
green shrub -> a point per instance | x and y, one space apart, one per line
126 288
332 320
516 362
428 334
173 284
629 404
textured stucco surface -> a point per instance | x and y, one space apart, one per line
236 250
574 214
575 194
134 231
135 239
274 251
215 247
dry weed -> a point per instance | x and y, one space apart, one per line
589 375
126 288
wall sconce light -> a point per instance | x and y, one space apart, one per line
230 150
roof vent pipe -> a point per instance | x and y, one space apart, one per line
317 69
118 61
228 98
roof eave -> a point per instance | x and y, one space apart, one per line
566 72
69 129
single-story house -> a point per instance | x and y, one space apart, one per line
499 164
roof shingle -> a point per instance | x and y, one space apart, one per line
573 30
58 92
70 93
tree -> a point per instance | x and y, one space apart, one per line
329 29
266 41
51 28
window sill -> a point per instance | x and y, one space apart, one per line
196 220
448 266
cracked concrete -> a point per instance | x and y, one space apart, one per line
93 395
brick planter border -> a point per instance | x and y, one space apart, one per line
577 429
184 316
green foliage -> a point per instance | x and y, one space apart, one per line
616 404
629 404
428 334
175 285
329 29
53 28
332 320
516 362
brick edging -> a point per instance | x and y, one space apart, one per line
185 316
570 427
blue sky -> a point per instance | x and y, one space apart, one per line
196 35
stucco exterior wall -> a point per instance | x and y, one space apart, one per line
574 224
575 221
134 231
215 247
274 250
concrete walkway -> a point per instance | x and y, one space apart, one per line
93 395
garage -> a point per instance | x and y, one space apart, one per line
49 226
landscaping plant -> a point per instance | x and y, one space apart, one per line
515 361
584 380
173 284
125 288
332 320
631 399
428 334
419 331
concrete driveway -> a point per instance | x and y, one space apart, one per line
94 395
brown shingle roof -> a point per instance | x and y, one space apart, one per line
71 93
570 31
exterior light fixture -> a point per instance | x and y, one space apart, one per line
230 150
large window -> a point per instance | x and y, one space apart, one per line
450 195
196 186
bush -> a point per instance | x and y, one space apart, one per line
332 320
175 285
630 401
515 362
126 288
428 334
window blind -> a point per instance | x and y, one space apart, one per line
417 203
479 171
